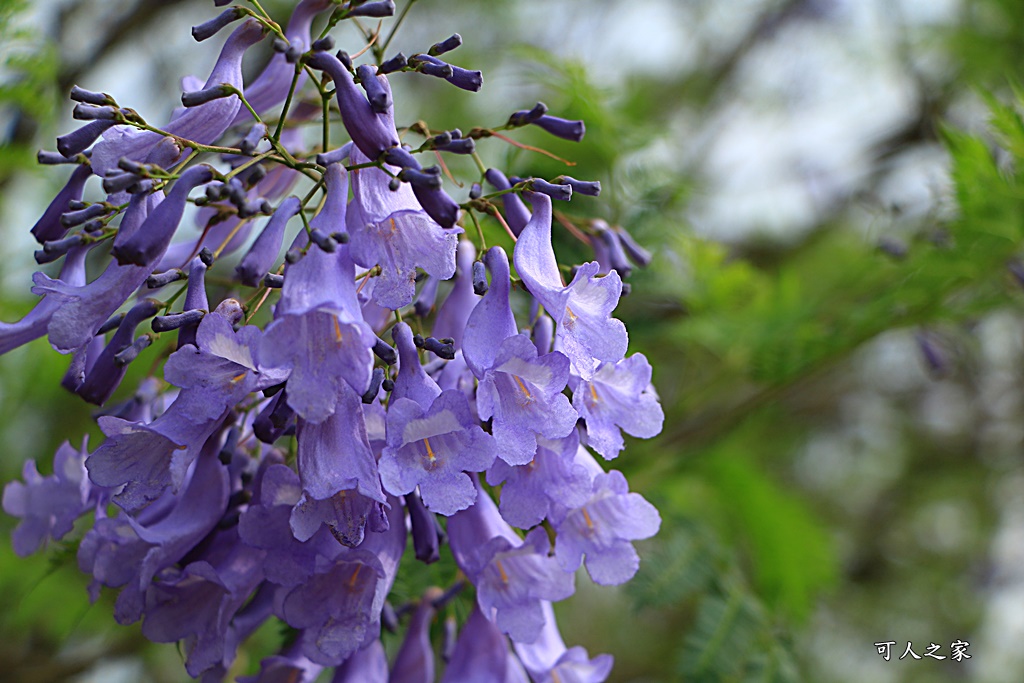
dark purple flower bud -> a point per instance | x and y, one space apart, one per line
195 298
382 8
446 45
93 227
325 242
73 218
325 44
271 422
562 128
280 45
208 29
399 156
414 662
479 278
197 97
438 205
166 323
425 539
263 253
464 146
516 213
423 304
164 279
58 248
396 63
441 349
253 138
377 94
292 55
150 241
127 355
456 75
637 253
49 226
425 179
561 192
87 112
385 351
435 68
273 281
475 190
527 116
591 188
376 379
119 182
98 99
371 132
129 166
48 158
78 140
107 373
325 159
543 333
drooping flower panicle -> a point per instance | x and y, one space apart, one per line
274 466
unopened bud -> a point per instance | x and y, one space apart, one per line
446 45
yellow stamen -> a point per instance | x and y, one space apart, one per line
572 317
501 570
522 387
355 575
238 378
593 393
587 519
430 452
555 678
337 329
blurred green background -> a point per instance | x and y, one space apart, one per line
832 191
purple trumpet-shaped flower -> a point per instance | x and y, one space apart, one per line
203 124
522 393
195 300
426 540
339 607
84 308
602 530
454 312
481 652
549 661
78 140
264 251
129 551
49 226
222 367
147 244
371 132
195 604
414 662
516 213
390 229
270 88
318 332
433 448
513 577
491 320
265 524
618 396
36 321
582 310
340 482
546 487
368 664
108 369
48 506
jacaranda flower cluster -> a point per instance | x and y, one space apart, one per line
411 381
